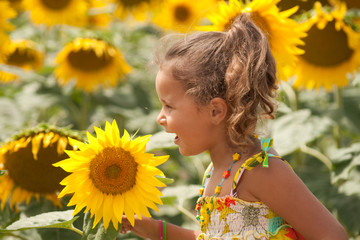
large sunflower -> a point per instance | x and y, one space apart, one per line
90 62
136 8
20 53
28 162
51 12
332 49
112 176
282 32
181 15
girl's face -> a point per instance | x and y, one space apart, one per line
181 115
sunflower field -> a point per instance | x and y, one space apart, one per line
77 87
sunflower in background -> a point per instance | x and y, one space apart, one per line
136 8
182 15
6 13
91 62
284 34
97 15
20 53
17 5
112 176
52 12
28 160
332 50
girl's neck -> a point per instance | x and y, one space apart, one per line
221 156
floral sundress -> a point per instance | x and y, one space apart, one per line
230 218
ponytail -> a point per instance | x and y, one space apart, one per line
250 77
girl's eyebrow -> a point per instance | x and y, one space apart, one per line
163 100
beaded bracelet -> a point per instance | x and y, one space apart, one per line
162 226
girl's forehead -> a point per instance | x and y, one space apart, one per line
166 84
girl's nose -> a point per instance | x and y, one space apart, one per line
161 120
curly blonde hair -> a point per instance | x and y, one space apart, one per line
236 66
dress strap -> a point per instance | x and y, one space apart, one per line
208 171
261 157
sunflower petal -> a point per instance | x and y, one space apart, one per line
107 210
36 142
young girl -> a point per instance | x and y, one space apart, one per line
214 87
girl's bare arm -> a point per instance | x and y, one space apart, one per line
149 228
284 192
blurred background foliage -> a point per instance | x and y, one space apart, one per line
74 64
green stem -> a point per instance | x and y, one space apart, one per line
313 152
292 95
338 98
339 106
76 230
83 123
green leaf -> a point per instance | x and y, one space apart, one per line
169 200
2 172
165 180
346 172
98 232
58 219
296 129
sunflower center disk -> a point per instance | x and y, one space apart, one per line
39 175
56 4
18 58
87 60
182 13
113 171
326 47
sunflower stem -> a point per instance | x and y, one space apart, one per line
315 153
338 97
83 120
339 107
292 95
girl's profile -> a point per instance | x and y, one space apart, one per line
215 87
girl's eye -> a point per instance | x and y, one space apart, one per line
168 106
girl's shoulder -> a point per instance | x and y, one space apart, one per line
263 166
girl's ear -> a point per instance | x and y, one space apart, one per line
218 110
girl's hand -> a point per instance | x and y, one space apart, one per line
144 228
